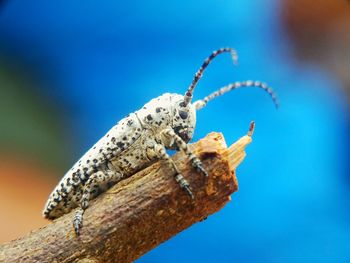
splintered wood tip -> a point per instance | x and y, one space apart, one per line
235 153
251 128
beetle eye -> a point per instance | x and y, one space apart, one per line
183 114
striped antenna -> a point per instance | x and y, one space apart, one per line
189 94
202 103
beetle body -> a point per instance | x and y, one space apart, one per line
125 149
166 122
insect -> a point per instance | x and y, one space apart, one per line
166 122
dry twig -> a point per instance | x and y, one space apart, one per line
138 213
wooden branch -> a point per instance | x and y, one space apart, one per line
138 213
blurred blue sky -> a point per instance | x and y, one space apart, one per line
102 60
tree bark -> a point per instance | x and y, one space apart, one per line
138 213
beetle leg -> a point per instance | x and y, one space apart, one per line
160 151
196 162
96 182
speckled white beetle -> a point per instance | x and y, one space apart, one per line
166 122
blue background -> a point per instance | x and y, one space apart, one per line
99 60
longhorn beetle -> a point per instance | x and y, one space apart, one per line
166 122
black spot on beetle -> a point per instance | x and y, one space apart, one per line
183 114
130 122
158 109
120 144
149 117
124 138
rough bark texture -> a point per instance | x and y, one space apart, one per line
138 213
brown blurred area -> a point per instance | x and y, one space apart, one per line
32 156
24 187
320 33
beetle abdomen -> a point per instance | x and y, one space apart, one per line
117 140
